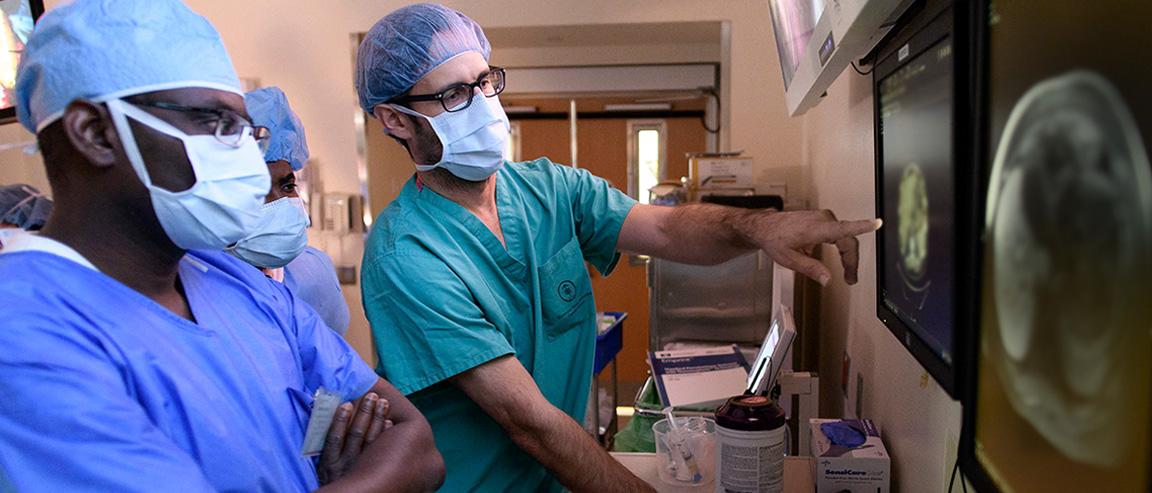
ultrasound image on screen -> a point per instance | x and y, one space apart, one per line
918 198
1064 362
1070 165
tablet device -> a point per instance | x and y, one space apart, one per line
770 360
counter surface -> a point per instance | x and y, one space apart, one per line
797 474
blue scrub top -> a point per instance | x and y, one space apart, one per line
312 278
103 389
444 296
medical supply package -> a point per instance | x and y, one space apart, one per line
848 456
695 377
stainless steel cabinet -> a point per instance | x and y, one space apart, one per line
726 303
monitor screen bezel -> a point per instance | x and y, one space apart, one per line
970 466
8 115
923 30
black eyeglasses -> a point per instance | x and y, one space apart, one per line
229 127
458 97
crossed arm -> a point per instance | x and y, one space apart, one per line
381 442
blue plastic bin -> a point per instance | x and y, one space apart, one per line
609 343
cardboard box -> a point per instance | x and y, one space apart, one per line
837 468
721 172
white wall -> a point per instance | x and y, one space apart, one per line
605 55
15 165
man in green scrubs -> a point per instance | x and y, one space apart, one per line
474 278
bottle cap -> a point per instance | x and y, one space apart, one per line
750 413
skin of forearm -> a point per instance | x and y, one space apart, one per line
577 461
709 234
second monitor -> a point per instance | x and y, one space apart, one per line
922 186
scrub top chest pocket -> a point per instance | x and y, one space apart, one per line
565 290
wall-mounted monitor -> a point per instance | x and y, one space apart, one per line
817 39
923 186
1061 398
16 20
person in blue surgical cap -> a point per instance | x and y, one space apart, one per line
279 245
474 278
22 207
138 356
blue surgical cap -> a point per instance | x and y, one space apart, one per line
407 44
268 107
107 49
24 206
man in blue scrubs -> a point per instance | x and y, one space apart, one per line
22 207
279 246
474 277
137 356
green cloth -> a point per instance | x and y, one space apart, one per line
636 436
443 296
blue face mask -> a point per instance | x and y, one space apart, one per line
473 139
279 237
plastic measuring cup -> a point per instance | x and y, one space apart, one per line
686 455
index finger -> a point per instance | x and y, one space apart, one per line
379 418
334 443
359 428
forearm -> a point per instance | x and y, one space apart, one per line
505 390
705 234
573 457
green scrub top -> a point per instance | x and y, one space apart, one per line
443 296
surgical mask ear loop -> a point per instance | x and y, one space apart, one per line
222 206
413 115
123 111
470 150
404 110
118 109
